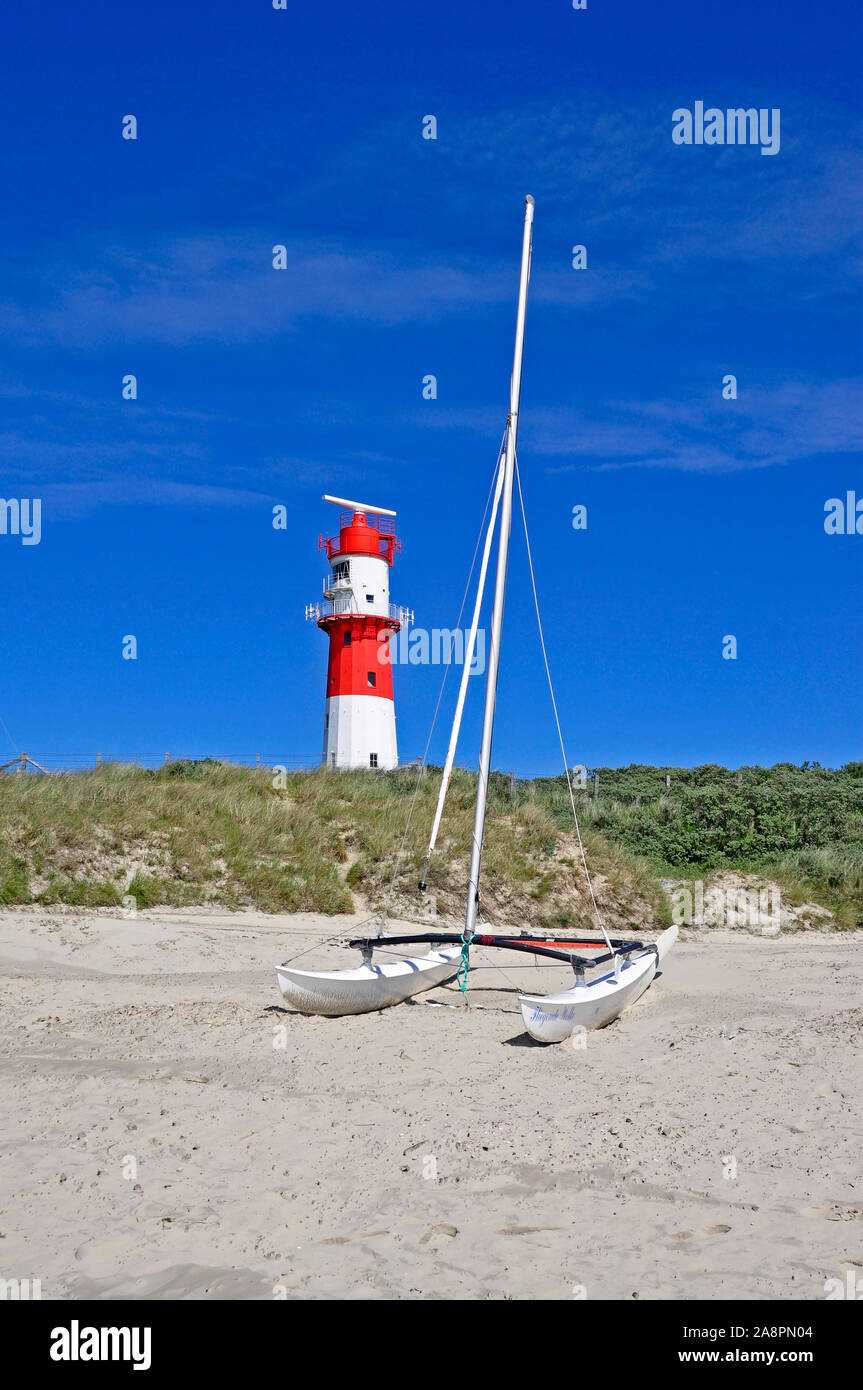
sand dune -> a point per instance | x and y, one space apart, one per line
171 1131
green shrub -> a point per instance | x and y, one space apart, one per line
214 832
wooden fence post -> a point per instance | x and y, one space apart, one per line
22 762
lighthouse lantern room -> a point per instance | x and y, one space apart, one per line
358 618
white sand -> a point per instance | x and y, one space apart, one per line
303 1166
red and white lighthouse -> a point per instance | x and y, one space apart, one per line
358 618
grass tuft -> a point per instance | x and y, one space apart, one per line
199 832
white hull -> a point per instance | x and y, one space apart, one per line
554 1017
368 987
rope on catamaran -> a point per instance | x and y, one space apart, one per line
599 920
464 964
422 761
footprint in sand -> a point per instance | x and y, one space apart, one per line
526 1230
439 1235
359 1235
719 1230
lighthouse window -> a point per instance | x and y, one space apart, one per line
371 677
370 598
347 639
373 759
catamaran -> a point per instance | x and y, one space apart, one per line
611 973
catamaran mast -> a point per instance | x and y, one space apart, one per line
500 580
465 671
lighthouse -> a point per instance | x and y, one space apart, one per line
359 620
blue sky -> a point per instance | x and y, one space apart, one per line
303 127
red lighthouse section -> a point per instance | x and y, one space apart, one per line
362 535
356 665
359 720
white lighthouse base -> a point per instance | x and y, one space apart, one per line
360 731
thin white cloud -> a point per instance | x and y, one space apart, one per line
226 290
769 424
70 501
608 177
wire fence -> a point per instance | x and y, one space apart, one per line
84 762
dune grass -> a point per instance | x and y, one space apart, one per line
186 834
192 833
209 832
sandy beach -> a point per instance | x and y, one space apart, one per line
170 1130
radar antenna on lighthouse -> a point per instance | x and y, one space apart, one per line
358 618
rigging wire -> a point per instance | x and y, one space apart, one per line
467 662
422 762
599 921
8 735
330 941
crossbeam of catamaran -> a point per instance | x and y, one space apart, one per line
590 1002
555 947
